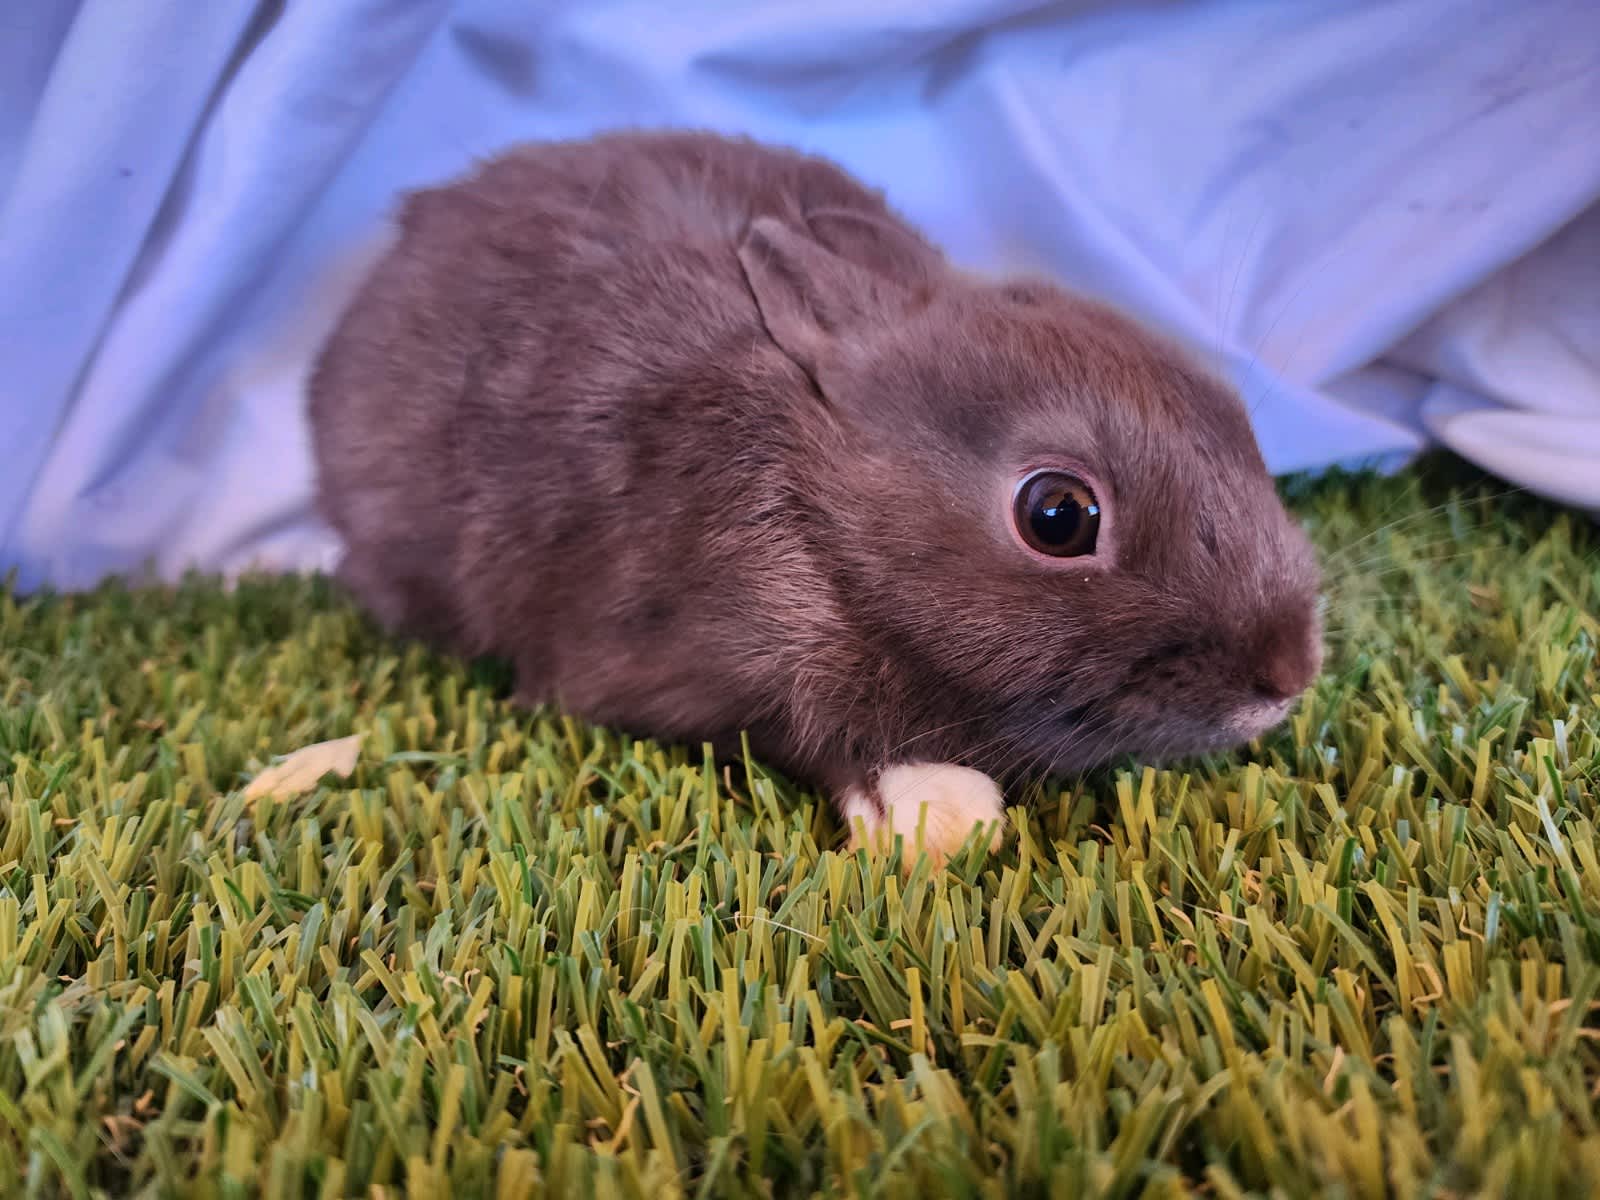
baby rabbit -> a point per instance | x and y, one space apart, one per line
705 439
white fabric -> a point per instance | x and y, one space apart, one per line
1385 218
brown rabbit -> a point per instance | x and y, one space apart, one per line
704 439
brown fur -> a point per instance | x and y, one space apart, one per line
702 437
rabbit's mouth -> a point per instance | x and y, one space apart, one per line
1161 741
1071 738
1249 721
1227 730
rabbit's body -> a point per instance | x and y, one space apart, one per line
704 439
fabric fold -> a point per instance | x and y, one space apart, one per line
1378 220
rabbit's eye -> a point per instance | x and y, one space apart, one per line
1057 514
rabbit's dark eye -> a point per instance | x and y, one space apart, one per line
1057 514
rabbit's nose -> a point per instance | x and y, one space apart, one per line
1287 660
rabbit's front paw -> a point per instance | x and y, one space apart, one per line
932 806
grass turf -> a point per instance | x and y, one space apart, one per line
1357 959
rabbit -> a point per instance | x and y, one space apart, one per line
705 440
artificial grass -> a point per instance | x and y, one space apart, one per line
512 953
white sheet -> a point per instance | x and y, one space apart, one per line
1385 218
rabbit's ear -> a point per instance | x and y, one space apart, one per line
891 251
810 296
